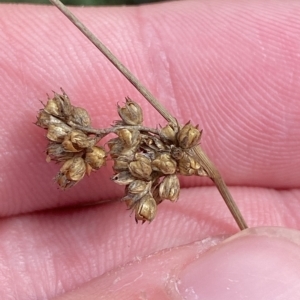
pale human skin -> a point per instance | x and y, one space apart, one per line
232 67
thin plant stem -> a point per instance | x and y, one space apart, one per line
196 152
216 177
105 131
106 52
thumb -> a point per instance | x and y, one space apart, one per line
258 263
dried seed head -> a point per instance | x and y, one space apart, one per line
121 163
71 172
56 133
76 140
80 116
59 106
140 167
138 187
189 136
131 113
95 158
188 166
168 133
145 209
129 138
123 178
57 152
169 188
164 163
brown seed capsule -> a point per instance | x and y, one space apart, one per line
138 186
95 158
76 140
56 152
188 136
131 113
56 133
168 133
121 163
169 188
80 116
145 209
141 167
123 178
164 163
59 106
188 166
72 171
129 138
136 190
52 107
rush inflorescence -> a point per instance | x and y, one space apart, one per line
147 161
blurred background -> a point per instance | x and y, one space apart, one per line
86 2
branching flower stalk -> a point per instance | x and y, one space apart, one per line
146 161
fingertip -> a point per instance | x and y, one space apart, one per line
258 263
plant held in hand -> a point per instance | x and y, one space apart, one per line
146 160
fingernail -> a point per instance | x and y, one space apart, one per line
259 263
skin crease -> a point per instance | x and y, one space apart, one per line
231 67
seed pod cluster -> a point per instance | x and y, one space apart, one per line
146 161
75 149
